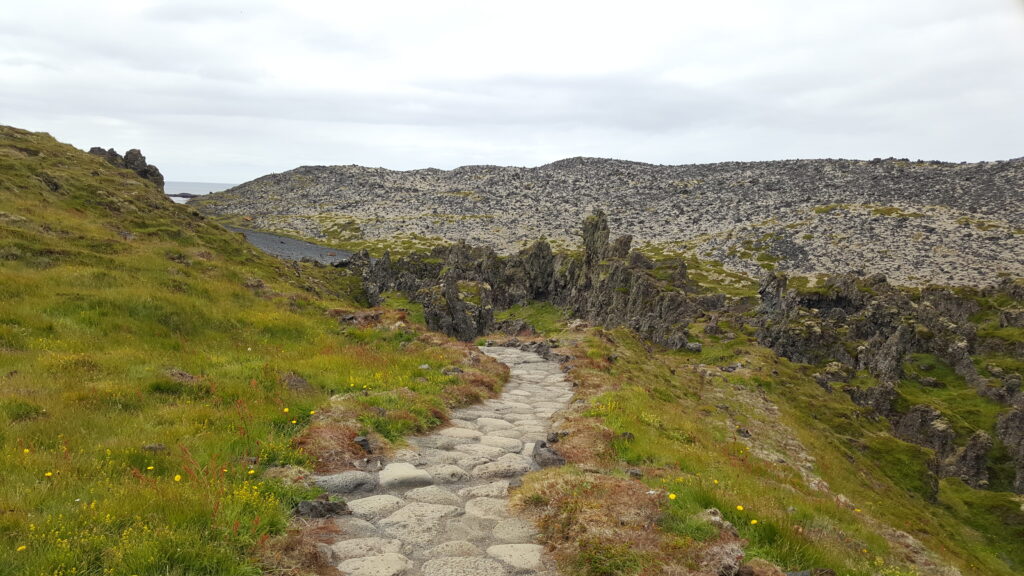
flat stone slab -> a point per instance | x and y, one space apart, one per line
382 565
346 482
462 567
353 527
521 556
507 444
373 507
514 530
455 548
433 495
493 423
487 508
510 433
419 512
360 547
497 489
507 466
418 523
403 475
447 474
481 450
465 433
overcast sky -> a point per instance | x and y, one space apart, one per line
231 92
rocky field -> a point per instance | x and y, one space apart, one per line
915 222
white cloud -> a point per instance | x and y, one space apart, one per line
230 91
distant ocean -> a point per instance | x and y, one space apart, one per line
193 188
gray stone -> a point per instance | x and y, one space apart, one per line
433 495
505 467
346 482
506 444
481 450
487 508
389 564
373 507
454 548
462 567
495 489
403 475
447 474
353 527
360 547
514 530
494 423
521 556
418 523
464 433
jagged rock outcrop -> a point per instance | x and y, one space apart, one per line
134 161
1010 430
970 463
925 426
608 285
461 310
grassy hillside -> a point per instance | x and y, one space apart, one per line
808 479
153 367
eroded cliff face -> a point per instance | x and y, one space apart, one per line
607 284
866 333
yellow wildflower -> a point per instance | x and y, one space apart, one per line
311 412
295 421
251 471
740 508
177 477
21 548
715 481
286 410
671 496
753 521
25 451
48 474
149 467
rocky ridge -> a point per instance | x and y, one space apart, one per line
915 222
440 507
132 160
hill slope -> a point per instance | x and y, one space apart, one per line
156 373
916 222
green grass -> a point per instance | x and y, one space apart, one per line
679 426
398 301
545 318
959 402
142 360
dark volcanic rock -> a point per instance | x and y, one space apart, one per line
1010 430
134 161
970 462
603 286
925 426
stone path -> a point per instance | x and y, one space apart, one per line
440 508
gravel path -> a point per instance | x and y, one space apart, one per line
440 508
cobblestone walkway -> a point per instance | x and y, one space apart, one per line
440 508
